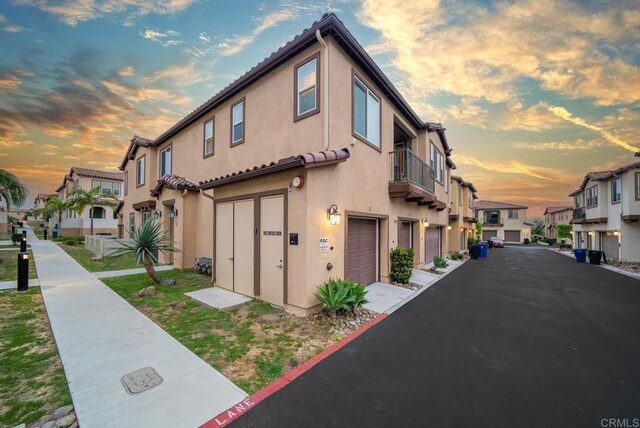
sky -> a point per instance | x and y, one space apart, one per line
533 93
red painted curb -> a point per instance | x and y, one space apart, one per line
242 407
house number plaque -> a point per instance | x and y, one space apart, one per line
272 233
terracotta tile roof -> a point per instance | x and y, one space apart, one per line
307 160
96 173
135 142
174 182
488 205
551 210
604 175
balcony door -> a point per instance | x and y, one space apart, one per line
401 144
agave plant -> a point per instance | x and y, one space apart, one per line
339 294
147 241
439 263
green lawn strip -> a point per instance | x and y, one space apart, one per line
9 265
84 256
252 344
32 381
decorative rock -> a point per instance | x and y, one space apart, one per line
50 424
168 282
62 411
147 291
44 419
66 421
74 425
96 258
178 305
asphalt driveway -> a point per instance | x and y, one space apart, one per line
526 337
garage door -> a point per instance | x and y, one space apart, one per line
404 234
512 236
609 245
432 243
488 234
362 250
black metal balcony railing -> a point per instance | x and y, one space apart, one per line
492 221
406 166
579 214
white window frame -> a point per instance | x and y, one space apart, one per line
166 168
437 163
513 214
592 196
301 89
617 200
140 171
240 140
205 140
369 93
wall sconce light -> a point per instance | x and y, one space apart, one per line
333 215
157 214
449 227
462 229
590 233
616 232
173 212
425 222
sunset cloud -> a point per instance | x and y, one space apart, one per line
516 167
234 45
562 146
536 117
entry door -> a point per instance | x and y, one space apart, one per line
272 249
463 244
432 243
235 246
404 234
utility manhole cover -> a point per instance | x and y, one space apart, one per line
141 380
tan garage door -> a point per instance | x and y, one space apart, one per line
362 250
488 234
404 234
432 243
512 236
609 245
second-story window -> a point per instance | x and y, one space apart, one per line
492 217
460 195
512 213
132 223
165 162
616 191
237 123
366 113
140 171
126 183
576 201
306 88
437 163
592 197
208 137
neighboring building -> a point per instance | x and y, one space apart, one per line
554 216
252 177
606 213
462 214
506 221
104 219
39 203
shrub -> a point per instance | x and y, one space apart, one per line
16 237
401 264
439 263
471 241
339 294
455 255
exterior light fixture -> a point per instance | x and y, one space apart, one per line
616 232
449 227
173 212
425 222
157 214
333 215
590 233
462 229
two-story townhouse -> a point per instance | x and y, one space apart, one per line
104 218
506 221
606 212
39 202
310 166
554 216
462 215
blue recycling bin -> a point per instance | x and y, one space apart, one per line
484 250
581 255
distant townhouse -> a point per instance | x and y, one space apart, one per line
606 212
39 203
462 214
553 216
310 166
506 221
104 219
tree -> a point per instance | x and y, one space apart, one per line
564 231
11 189
538 228
54 206
479 230
81 199
147 241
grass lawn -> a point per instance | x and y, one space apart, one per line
84 256
9 265
32 382
252 344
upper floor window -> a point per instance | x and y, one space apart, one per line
237 123
616 191
512 214
492 217
306 88
165 161
366 113
126 183
437 163
592 197
106 187
140 171
459 195
208 137
576 201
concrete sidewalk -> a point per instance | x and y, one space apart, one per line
101 338
126 272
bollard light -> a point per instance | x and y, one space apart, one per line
24 233
23 245
46 234
23 271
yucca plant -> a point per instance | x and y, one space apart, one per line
146 241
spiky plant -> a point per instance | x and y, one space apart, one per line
11 189
146 241
81 199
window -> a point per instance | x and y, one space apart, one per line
116 189
306 88
616 191
126 183
165 161
492 217
106 187
637 186
99 212
237 123
576 201
140 172
366 113
146 215
512 214
459 195
592 197
208 137
437 163
132 222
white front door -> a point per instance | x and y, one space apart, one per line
272 261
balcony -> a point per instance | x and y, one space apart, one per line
406 167
493 222
579 215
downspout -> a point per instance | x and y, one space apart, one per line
202 192
325 90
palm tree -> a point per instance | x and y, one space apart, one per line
11 189
80 199
53 206
146 242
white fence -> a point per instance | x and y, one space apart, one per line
102 245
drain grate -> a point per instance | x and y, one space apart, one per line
141 380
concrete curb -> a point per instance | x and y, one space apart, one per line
244 406
607 267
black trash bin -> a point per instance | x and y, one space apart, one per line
595 257
474 251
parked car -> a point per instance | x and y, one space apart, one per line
496 242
